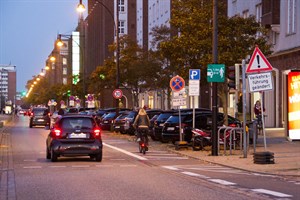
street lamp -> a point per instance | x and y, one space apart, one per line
81 9
60 43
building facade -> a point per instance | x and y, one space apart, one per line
8 86
283 22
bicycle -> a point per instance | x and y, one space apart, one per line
142 140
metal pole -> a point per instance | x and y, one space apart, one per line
244 107
263 120
214 84
118 56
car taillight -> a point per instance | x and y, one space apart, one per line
183 125
31 114
97 133
56 132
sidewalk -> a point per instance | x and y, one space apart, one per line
286 155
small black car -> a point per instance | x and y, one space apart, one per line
39 117
74 135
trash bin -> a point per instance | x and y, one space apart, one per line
252 130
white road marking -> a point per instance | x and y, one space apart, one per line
265 175
166 158
33 167
29 160
128 165
125 152
196 175
171 168
222 182
273 193
80 166
57 166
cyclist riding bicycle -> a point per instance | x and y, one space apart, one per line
141 124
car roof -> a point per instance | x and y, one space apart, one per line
76 116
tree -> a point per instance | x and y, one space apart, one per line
191 45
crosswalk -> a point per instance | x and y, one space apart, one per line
197 171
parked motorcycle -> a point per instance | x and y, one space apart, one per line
200 139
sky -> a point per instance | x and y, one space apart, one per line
28 30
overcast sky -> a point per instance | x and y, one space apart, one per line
28 29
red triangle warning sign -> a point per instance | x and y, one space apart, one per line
258 62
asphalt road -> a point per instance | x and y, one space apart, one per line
124 173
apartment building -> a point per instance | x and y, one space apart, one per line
8 86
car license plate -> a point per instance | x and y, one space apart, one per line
117 126
40 120
105 122
170 128
161 124
77 135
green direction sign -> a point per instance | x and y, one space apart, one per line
216 73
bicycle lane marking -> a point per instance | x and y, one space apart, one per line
125 152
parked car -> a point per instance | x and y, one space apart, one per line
39 117
159 122
203 120
74 135
152 120
107 122
124 122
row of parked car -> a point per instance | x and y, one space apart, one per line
164 123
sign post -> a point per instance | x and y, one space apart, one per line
177 84
259 82
194 87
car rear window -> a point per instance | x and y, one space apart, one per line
164 116
77 123
39 112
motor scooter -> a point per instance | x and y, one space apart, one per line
200 139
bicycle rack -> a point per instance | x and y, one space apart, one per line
233 132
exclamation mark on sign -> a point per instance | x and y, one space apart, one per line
257 57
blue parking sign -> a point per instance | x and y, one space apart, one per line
194 74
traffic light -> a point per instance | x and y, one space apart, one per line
75 79
102 76
23 93
231 77
69 93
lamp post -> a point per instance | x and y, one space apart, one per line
59 43
81 8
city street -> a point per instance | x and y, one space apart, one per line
124 173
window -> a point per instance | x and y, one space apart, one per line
65 61
65 71
245 13
65 81
121 27
291 16
121 4
258 14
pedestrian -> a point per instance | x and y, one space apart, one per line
258 109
